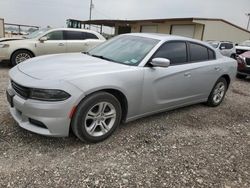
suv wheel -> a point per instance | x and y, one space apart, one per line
20 56
97 117
240 76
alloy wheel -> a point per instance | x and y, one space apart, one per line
219 92
22 57
100 119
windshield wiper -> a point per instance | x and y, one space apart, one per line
102 57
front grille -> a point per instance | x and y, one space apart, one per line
248 61
21 90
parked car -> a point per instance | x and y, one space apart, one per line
243 65
225 47
243 47
128 77
48 41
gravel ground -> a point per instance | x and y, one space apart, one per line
196 146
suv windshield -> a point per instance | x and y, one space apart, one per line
246 43
213 44
37 33
129 50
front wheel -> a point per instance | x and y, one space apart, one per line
96 117
20 56
218 92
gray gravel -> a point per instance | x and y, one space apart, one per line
195 146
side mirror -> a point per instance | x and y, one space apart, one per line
43 39
222 47
160 62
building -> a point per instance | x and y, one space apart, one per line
1 27
198 28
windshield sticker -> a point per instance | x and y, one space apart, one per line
133 61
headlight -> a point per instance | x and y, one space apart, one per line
48 95
4 45
243 58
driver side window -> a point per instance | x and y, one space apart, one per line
176 52
55 35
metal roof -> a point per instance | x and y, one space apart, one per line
112 23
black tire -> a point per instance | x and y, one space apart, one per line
211 102
233 56
14 56
79 120
240 76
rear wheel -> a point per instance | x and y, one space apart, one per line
20 56
96 117
218 93
240 76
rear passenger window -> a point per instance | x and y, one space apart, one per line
198 52
74 35
90 36
229 46
211 54
176 52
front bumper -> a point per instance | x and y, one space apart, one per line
53 116
4 54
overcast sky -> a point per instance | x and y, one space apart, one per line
55 12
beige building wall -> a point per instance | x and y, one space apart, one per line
165 27
1 27
219 30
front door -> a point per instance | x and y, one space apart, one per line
167 87
54 44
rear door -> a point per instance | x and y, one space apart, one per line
204 70
54 44
79 41
226 49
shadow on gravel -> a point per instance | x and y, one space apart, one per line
5 65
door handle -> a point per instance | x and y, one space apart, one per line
187 74
60 44
217 68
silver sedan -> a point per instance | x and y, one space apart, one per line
126 78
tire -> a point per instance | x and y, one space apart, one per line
233 56
240 76
218 93
20 56
90 122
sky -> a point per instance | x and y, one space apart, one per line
55 12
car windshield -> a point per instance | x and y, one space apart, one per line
213 44
37 33
246 43
129 50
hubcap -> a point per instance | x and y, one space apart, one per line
100 119
22 57
219 92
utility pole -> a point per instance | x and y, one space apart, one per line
248 14
91 6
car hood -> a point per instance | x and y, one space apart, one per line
68 66
10 39
246 54
242 47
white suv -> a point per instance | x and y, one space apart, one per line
226 48
49 41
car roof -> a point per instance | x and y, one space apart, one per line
166 37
